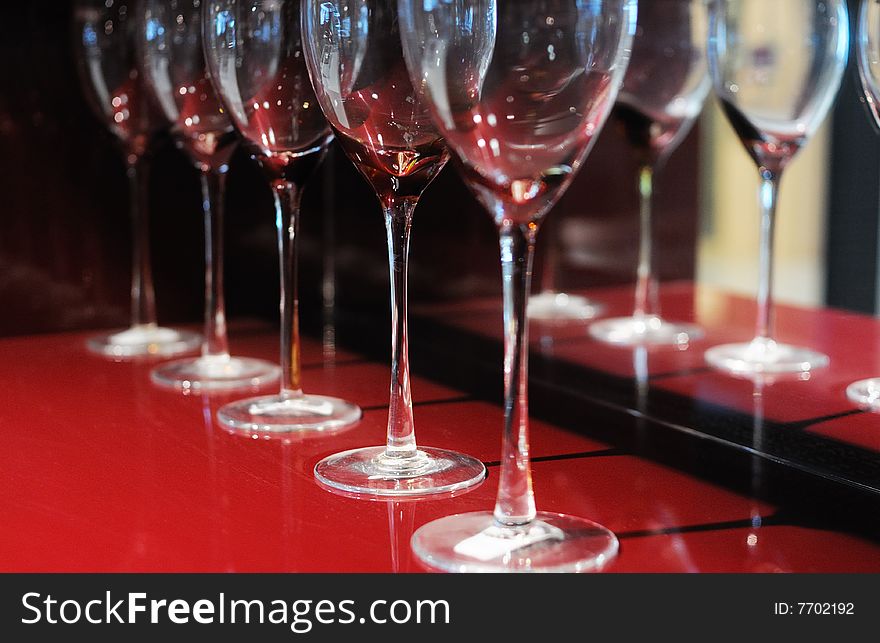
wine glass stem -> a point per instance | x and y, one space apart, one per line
143 302
515 504
401 431
768 194
647 303
287 201
216 344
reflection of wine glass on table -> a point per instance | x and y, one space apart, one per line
400 529
254 53
867 392
551 306
776 67
662 95
105 40
519 90
175 65
355 61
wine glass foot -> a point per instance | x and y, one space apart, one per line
144 341
764 356
559 308
645 331
370 472
865 393
475 542
206 374
283 414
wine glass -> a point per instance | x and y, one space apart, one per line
776 68
175 65
520 90
663 93
356 65
867 392
254 54
105 37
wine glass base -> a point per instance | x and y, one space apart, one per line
865 393
144 341
369 472
281 414
644 331
474 542
764 358
215 374
559 308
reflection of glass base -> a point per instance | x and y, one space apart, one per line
370 472
144 341
215 374
474 542
865 393
763 355
281 414
645 331
558 307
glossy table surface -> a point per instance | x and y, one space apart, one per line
102 471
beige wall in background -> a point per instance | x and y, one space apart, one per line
727 253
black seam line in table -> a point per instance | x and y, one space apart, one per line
569 456
772 520
444 400
800 425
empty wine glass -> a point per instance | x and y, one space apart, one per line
105 35
663 93
520 90
254 54
356 65
867 392
175 65
776 68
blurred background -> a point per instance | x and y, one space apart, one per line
65 230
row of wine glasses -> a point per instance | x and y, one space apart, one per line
516 93
388 79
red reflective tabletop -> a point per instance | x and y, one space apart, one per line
102 471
